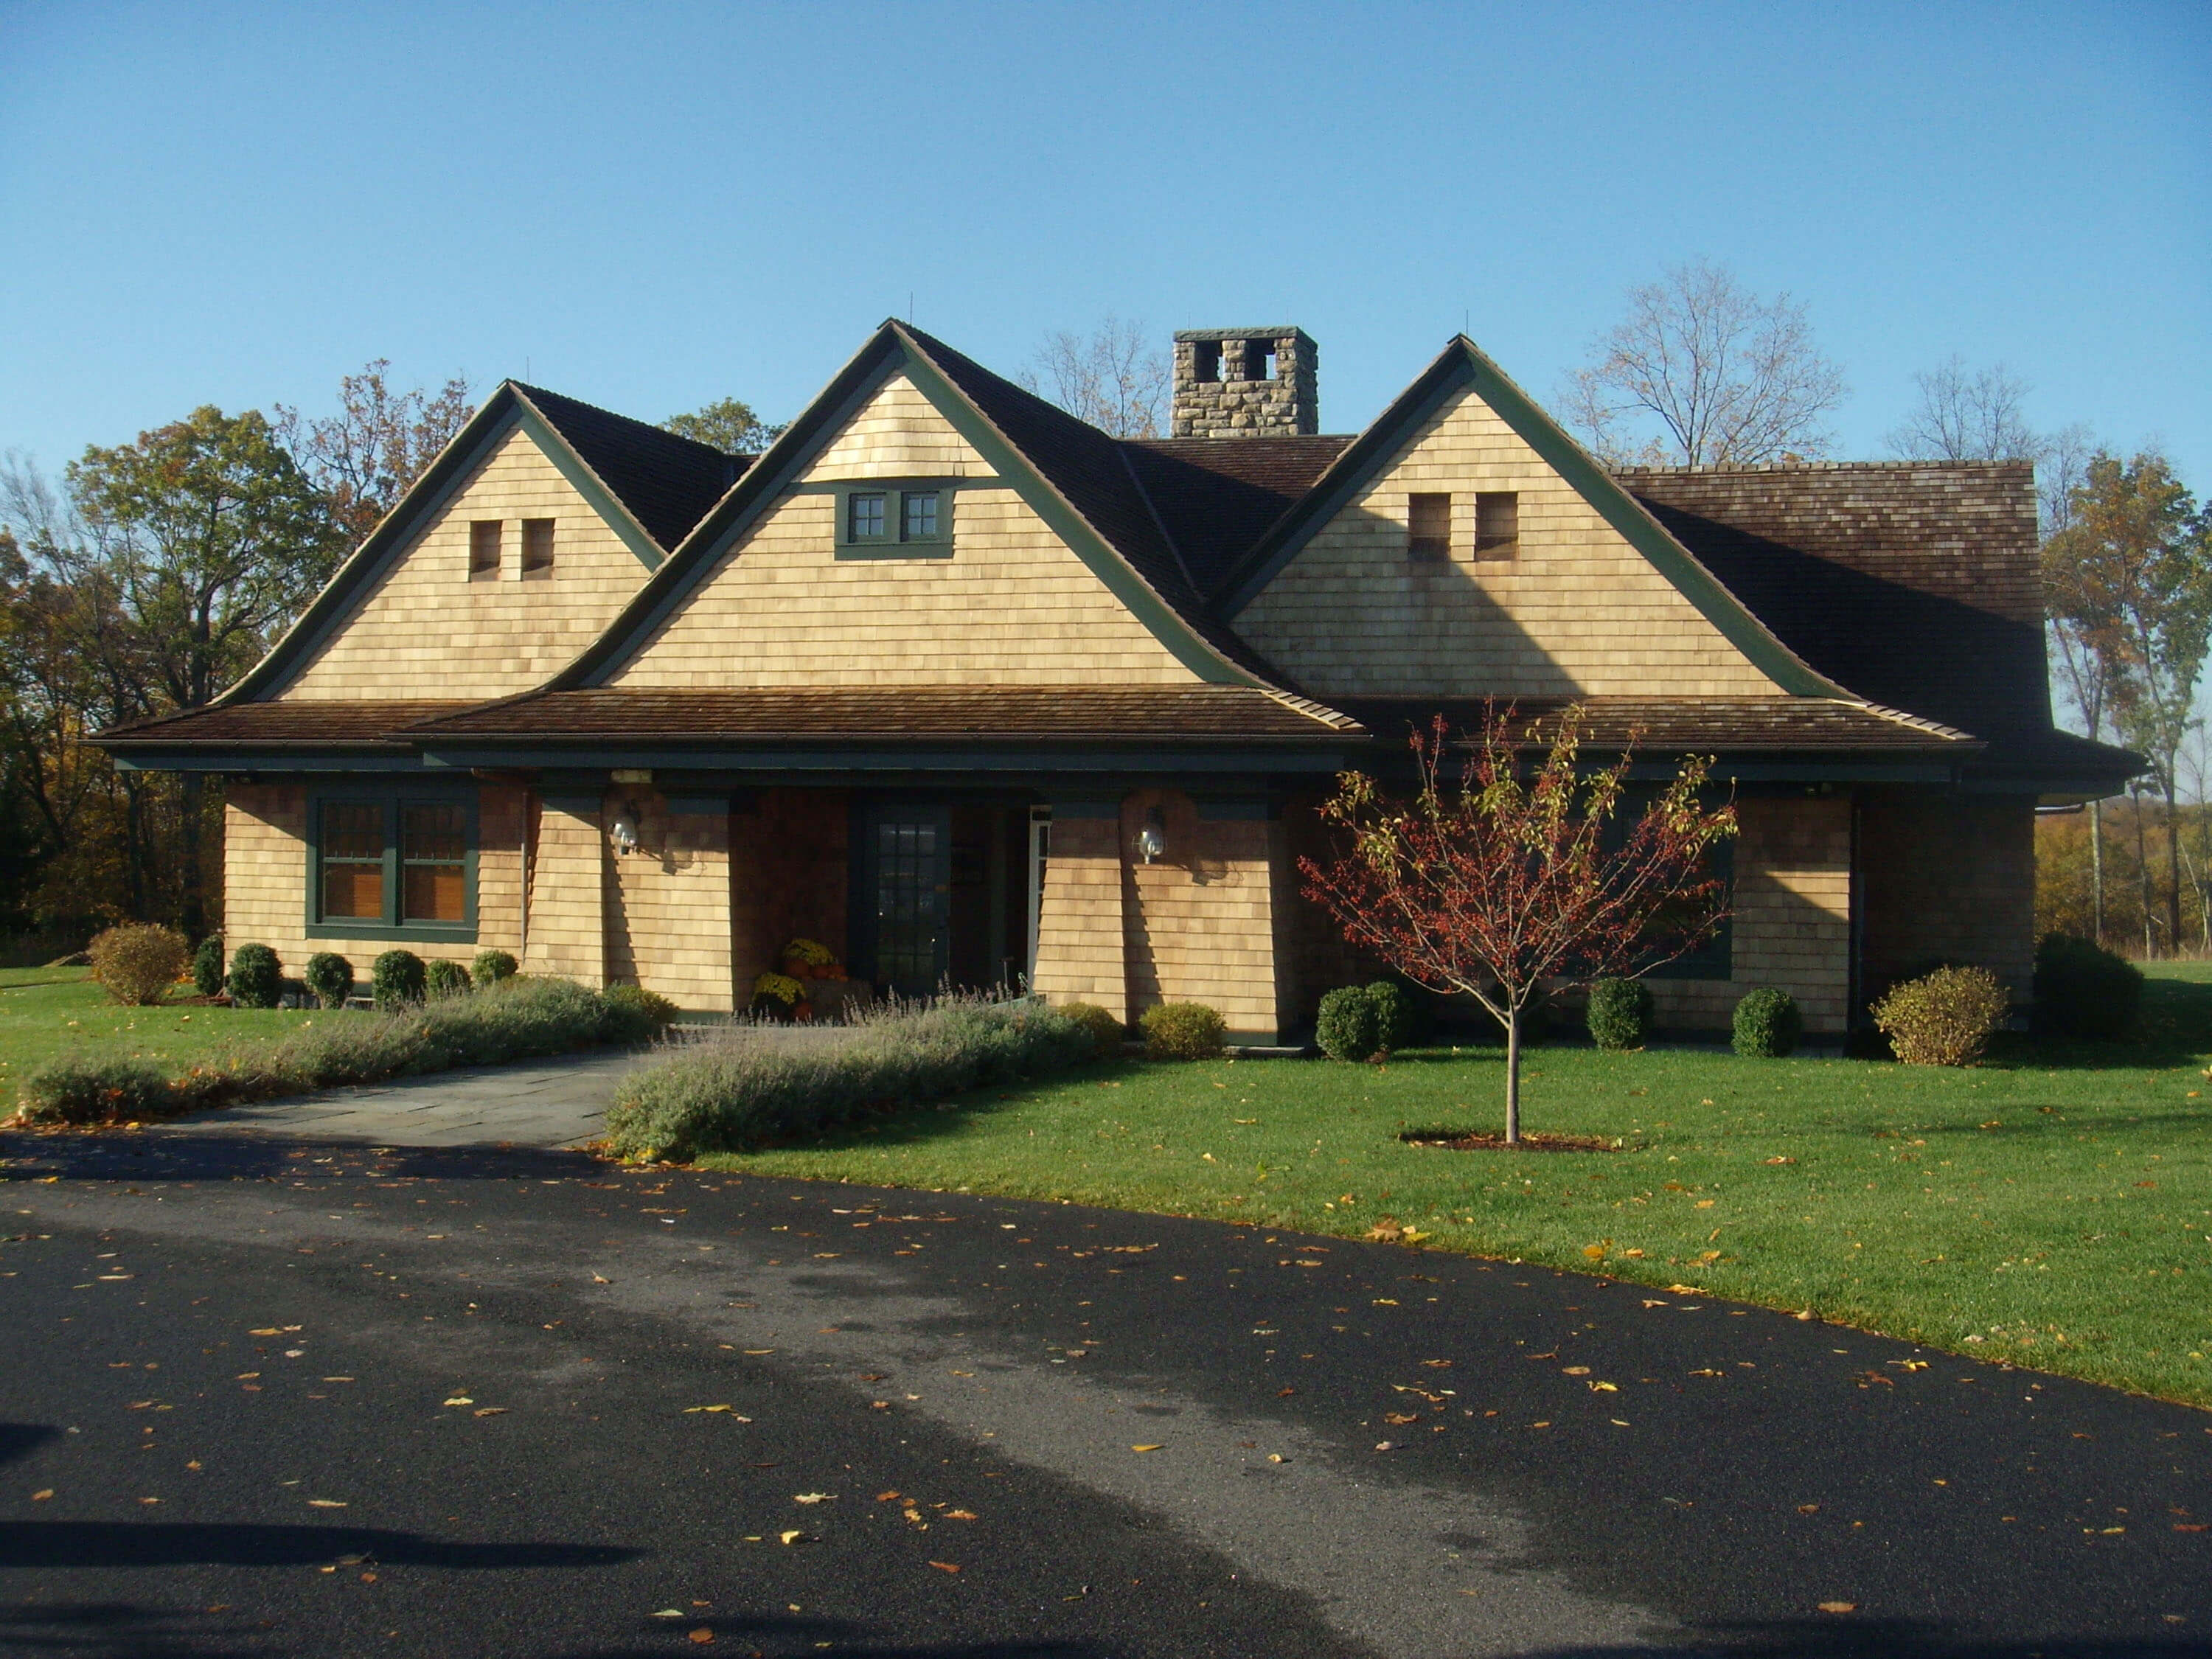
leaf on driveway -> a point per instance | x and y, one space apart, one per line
944 1567
813 1497
703 1635
489 1411
1576 1370
460 1400
41 1496
1839 1607
1154 1447
792 1535
1605 1387
960 1515
325 1503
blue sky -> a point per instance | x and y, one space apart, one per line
653 206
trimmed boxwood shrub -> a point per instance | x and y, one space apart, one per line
2083 990
1350 1025
1182 1031
77 1089
1399 1014
330 976
397 978
637 1015
136 963
1767 1023
1946 1019
1107 1033
257 978
441 978
1619 1014
493 966
207 966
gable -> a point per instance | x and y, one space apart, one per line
1013 604
423 623
1579 610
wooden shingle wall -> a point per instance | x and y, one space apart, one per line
569 880
1948 879
790 875
1012 605
1199 923
1576 611
668 903
1080 945
426 630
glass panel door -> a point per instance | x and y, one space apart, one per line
909 854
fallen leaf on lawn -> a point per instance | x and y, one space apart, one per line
489 1411
1685 1290
460 1400
1151 1448
1595 1252
1781 1160
325 1503
813 1497
1839 1607
791 1536
944 1567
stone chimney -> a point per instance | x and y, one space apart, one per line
1245 383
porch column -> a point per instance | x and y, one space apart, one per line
1079 940
568 892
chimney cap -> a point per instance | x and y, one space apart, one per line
1277 331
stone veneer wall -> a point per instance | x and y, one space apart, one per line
1947 878
1238 405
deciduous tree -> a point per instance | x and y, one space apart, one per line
1968 415
364 458
1519 877
1109 377
729 424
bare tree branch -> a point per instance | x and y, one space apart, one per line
1108 378
1968 415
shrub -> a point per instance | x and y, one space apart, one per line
637 1015
1943 1019
2083 990
397 978
1106 1032
1350 1024
1402 1017
441 978
1619 1014
84 1089
257 978
745 1085
330 976
1180 1031
493 966
1768 1023
207 966
137 964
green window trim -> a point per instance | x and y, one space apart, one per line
895 517
392 863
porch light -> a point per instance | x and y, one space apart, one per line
1151 840
623 829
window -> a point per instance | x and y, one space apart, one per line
865 513
483 550
1259 360
1496 523
537 550
1206 361
1428 526
910 518
397 865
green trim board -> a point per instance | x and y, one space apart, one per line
1463 367
900 535
587 483
394 925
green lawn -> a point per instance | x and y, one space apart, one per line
2052 1207
47 1012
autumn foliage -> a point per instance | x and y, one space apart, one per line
1532 869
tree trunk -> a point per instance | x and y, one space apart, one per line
1513 1078
194 906
2142 882
2172 871
2097 869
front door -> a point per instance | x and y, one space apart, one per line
906 882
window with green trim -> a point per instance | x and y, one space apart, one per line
395 864
904 519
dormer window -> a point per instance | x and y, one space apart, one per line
1496 523
901 518
1428 526
483 550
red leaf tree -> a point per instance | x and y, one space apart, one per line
1520 875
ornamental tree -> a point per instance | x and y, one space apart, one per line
1525 873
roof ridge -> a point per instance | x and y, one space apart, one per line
654 428
1890 466
1335 719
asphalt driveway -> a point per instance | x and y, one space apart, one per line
316 1398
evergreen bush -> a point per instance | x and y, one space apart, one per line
493 966
441 978
1399 1014
1182 1031
1620 1015
637 1015
1767 1023
257 978
1107 1033
207 966
136 963
330 976
1944 1018
1350 1026
2083 990
397 978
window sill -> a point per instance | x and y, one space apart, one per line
894 551
430 933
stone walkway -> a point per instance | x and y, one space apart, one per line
539 1103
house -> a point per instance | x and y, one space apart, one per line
972 691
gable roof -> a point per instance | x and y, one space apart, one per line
1462 366
1073 476
667 481
1216 496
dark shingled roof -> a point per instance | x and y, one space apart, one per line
1913 584
1216 496
900 713
666 482
303 724
1698 726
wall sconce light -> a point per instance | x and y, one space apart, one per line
1152 839
623 829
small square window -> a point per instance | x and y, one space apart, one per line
1259 360
866 516
483 550
537 550
1496 523
920 520
1206 361
1428 526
